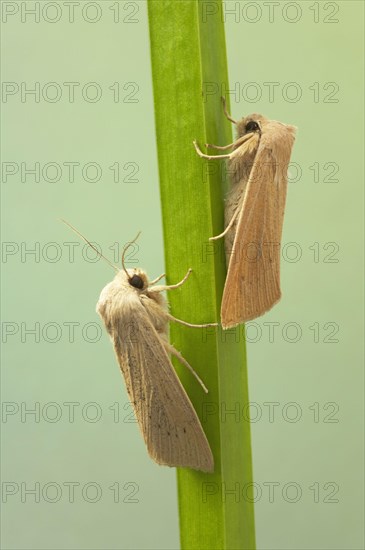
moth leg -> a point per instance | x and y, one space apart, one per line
220 147
209 157
170 349
236 143
157 279
185 323
229 226
226 113
171 287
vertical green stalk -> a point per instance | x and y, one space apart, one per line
189 70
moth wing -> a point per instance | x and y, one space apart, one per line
168 422
253 280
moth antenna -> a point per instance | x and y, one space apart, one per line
226 113
125 250
89 243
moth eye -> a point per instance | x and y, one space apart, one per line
136 281
252 126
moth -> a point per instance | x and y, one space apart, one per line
254 213
136 317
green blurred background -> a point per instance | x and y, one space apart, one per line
95 487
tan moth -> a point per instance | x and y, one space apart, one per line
254 213
135 315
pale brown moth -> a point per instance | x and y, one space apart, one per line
136 317
254 213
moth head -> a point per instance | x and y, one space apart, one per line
250 124
137 279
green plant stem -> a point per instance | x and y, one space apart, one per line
189 72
